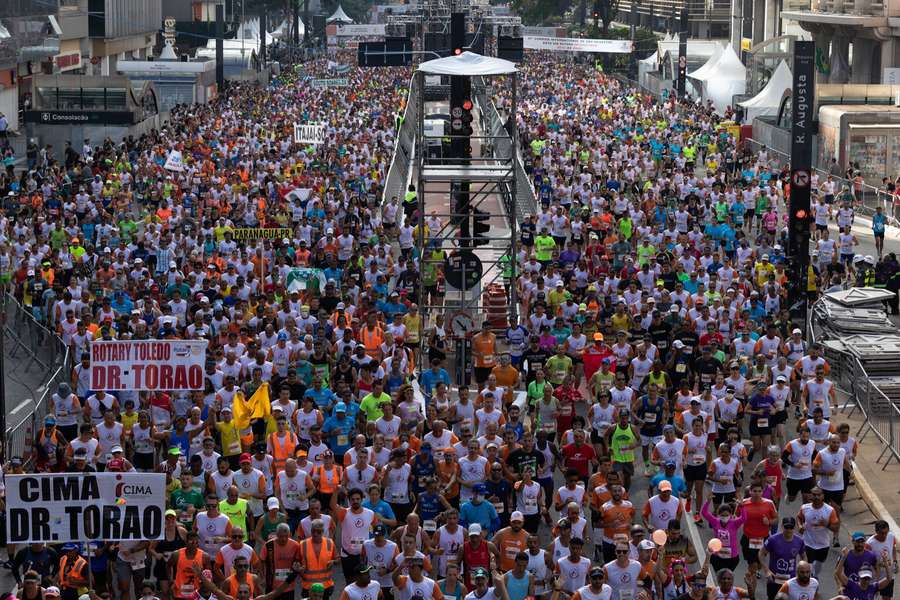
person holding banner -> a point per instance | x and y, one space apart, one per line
73 573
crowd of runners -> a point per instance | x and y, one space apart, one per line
654 355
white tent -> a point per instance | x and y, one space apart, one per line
339 16
468 63
768 100
647 65
725 79
701 73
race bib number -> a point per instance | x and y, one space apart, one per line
680 368
234 447
650 418
282 574
698 460
725 552
549 426
756 543
343 440
356 544
430 525
566 410
762 422
187 589
626 594
834 478
530 504
488 359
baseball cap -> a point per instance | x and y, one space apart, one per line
116 448
175 451
597 571
857 535
598 337
665 486
272 503
780 379
51 591
796 330
670 464
380 529
171 513
789 522
50 420
340 407
862 573
474 529
479 572
517 516
362 568
646 545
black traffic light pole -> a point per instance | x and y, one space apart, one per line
802 101
460 130
682 54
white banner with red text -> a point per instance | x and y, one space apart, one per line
147 365
557 44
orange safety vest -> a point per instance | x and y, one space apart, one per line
372 340
231 585
65 574
328 485
282 449
317 569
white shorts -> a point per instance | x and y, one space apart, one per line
648 441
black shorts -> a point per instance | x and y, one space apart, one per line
888 592
816 554
723 497
757 430
833 497
623 467
821 227
779 418
795 486
144 462
751 555
879 236
482 374
576 360
596 438
748 214
695 472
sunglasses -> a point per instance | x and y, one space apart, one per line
621 552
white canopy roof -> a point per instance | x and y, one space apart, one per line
468 63
651 60
768 100
702 73
698 48
339 16
727 78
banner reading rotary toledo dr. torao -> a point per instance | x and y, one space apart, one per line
78 507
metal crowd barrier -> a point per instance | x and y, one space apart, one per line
881 415
865 200
32 352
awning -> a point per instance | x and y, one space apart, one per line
469 64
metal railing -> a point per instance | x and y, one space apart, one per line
881 415
865 200
39 355
494 126
397 179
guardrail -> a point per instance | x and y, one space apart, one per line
881 416
398 173
32 346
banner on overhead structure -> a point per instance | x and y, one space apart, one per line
360 30
555 44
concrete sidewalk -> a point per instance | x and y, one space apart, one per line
878 485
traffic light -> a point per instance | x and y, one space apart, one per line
457 32
480 227
801 222
461 118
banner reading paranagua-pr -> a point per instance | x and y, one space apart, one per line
78 507
147 365
557 44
